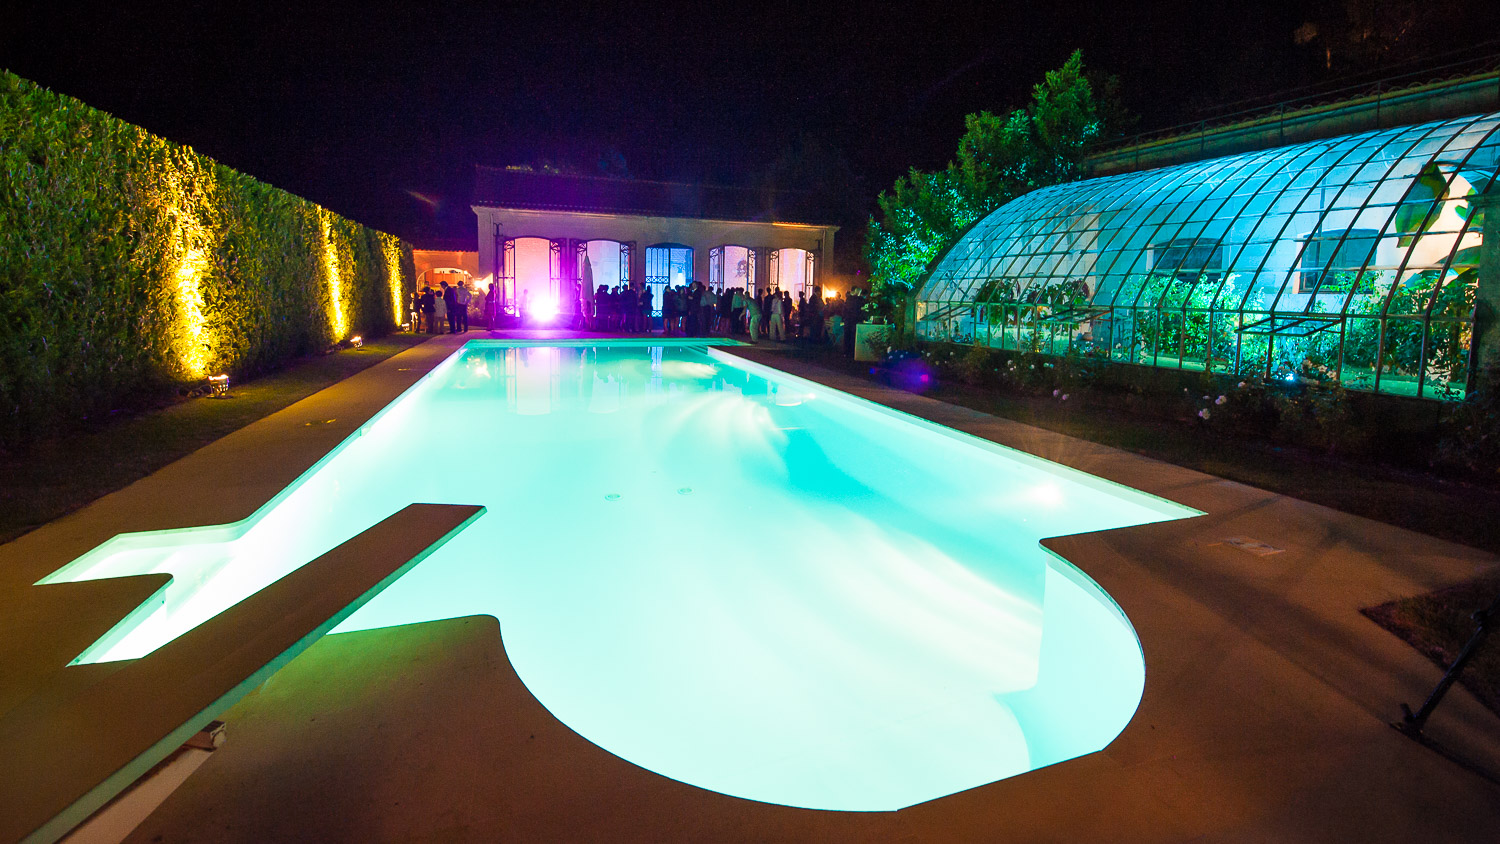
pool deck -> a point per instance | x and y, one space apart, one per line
1265 715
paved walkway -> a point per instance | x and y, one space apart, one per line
1264 717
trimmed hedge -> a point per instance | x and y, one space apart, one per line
131 267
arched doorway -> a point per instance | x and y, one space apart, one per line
793 270
605 262
731 266
530 275
667 264
601 263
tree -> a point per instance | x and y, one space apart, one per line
999 158
816 182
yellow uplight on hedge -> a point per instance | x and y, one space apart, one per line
182 191
332 270
176 267
392 248
190 312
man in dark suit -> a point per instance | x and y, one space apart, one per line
450 298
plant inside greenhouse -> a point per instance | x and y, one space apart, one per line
1351 260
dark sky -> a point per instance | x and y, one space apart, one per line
359 107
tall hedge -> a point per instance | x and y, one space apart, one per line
131 266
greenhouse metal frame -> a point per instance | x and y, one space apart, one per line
1353 260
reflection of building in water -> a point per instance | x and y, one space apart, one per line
543 380
552 239
536 380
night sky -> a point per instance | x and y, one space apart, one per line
379 111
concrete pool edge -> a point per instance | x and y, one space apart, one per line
1130 781
281 448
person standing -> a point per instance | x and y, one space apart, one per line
706 310
736 311
428 309
646 305
668 310
814 328
450 305
726 312
854 314
778 318
690 309
440 307
752 318
463 296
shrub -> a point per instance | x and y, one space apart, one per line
130 266
1471 431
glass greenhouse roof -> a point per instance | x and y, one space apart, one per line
1354 258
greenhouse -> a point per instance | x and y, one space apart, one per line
1353 259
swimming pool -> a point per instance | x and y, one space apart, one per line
717 571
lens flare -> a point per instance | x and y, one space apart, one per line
544 308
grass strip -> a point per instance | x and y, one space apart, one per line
58 476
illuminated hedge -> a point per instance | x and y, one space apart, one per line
130 265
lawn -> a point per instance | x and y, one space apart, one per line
1439 623
54 478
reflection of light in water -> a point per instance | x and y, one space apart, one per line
1032 498
534 379
788 396
970 624
1047 495
687 370
606 395
717 422
767 635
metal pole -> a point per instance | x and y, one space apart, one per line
497 303
1412 722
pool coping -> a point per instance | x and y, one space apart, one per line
1299 685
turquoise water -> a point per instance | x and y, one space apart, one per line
719 572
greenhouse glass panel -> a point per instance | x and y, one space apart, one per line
1354 259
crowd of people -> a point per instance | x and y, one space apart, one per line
443 307
689 310
696 310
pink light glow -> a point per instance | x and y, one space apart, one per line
544 308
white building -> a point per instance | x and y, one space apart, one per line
544 235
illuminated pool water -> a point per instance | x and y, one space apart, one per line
722 573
